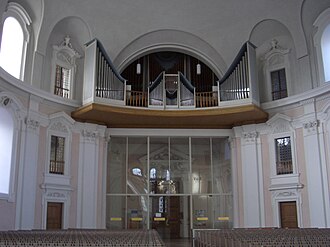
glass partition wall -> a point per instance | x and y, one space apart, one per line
171 184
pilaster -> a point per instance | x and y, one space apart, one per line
252 178
88 176
318 192
29 173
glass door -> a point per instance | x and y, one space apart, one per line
169 216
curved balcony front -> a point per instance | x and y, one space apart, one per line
202 118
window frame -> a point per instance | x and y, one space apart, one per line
320 24
277 155
276 58
286 84
273 154
64 56
70 89
62 161
67 149
17 12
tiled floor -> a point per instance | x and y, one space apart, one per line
178 242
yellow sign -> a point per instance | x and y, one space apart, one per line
136 219
202 218
160 219
115 219
223 218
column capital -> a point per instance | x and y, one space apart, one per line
310 127
89 136
32 124
250 137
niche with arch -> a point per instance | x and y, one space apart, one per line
275 51
78 33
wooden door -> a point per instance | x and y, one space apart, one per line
288 213
54 215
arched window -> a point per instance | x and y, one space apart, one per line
322 45
153 173
6 144
11 47
14 40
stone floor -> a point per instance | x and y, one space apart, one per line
183 242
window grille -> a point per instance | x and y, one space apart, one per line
279 88
283 156
57 155
62 82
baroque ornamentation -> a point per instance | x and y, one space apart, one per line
89 136
56 194
32 124
250 136
281 126
64 57
311 126
286 193
5 101
58 126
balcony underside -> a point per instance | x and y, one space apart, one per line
210 118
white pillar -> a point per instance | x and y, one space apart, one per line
88 179
318 193
28 176
234 172
252 180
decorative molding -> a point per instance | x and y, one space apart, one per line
89 136
276 59
56 194
32 124
286 193
280 123
311 126
5 101
65 51
58 126
307 101
275 53
250 137
281 127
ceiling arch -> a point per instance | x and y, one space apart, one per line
171 40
